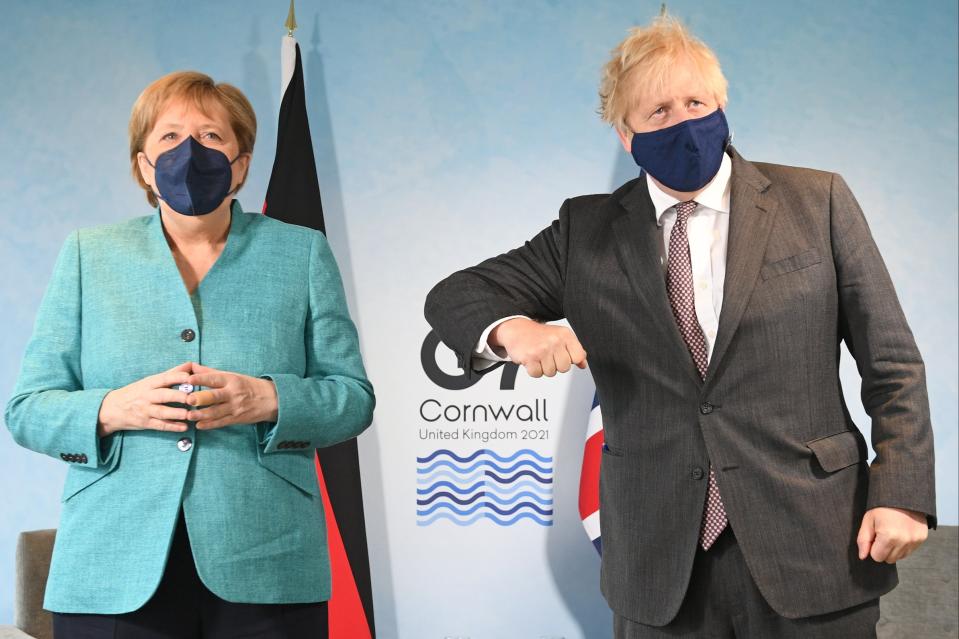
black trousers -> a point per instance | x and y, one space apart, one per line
723 602
183 608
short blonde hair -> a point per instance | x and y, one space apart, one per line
202 91
644 59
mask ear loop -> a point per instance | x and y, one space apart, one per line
233 192
152 166
642 171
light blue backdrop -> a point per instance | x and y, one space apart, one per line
448 131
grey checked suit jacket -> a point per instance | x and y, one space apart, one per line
803 273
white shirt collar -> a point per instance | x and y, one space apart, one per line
715 196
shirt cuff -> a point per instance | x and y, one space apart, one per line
483 354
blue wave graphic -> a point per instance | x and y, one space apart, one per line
487 495
472 509
483 464
522 473
451 475
468 489
483 451
499 489
484 515
462 490
427 479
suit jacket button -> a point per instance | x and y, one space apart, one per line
184 444
283 445
706 408
63 456
187 335
83 459
697 473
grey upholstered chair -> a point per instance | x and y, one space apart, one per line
923 606
33 563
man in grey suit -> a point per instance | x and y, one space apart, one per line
712 294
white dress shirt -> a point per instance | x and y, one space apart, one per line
708 231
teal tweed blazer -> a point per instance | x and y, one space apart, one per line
115 311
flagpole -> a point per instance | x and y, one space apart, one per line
288 51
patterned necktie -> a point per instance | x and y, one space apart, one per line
679 284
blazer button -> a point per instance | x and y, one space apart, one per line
64 456
697 473
187 335
83 459
185 444
706 408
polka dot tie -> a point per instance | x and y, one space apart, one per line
679 285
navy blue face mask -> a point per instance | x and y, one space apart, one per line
685 156
193 179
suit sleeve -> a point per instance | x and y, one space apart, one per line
529 280
902 475
51 411
333 401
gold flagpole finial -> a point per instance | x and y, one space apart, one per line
662 9
291 21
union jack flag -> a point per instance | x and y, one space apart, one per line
589 476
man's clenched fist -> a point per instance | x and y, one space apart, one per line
542 349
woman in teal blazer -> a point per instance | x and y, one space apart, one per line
247 310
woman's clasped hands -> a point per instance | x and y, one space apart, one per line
227 398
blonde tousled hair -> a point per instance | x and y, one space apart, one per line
202 91
644 59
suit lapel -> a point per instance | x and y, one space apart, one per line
637 238
751 217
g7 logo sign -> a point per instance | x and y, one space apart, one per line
458 382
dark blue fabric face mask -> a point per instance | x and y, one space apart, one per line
685 156
193 179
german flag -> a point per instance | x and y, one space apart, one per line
293 196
